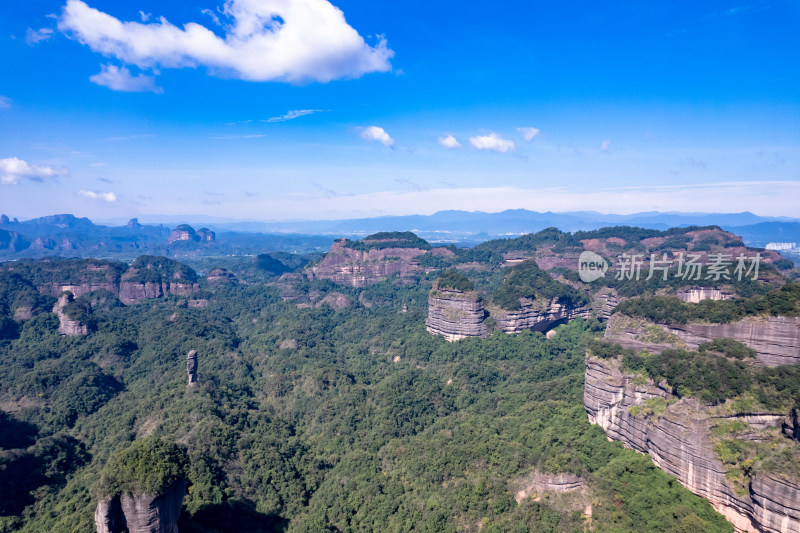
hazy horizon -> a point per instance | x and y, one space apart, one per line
397 109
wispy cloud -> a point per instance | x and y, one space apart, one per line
144 16
265 40
13 170
330 193
212 15
448 141
375 133
105 180
414 185
109 197
605 145
493 142
121 79
528 133
293 114
5 102
98 164
33 37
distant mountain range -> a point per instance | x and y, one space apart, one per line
72 236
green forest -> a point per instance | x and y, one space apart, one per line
311 419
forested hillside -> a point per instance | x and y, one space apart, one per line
312 419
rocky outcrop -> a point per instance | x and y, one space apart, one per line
678 440
141 513
133 292
604 302
539 482
221 275
206 235
191 367
67 324
78 289
455 315
360 268
538 315
184 232
698 294
776 339
335 300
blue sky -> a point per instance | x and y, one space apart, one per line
303 109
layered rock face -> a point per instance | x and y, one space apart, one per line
537 315
678 442
775 339
133 292
184 232
698 294
538 482
604 303
455 314
141 513
67 325
361 268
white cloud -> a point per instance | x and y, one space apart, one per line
121 79
448 141
5 102
266 40
109 197
36 36
213 16
528 133
295 113
12 170
604 146
374 133
492 142
145 16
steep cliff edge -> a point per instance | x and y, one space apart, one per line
141 513
72 316
776 339
685 438
538 315
455 314
153 277
368 264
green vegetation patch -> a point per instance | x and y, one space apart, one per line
526 280
783 301
389 239
454 279
148 466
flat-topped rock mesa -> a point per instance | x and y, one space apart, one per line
142 488
185 232
53 276
775 339
153 277
372 259
221 276
455 310
530 299
679 441
72 315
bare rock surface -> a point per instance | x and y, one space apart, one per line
141 513
66 325
191 367
455 314
361 268
538 315
698 294
679 443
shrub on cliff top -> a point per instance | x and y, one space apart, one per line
527 280
389 239
148 466
454 279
